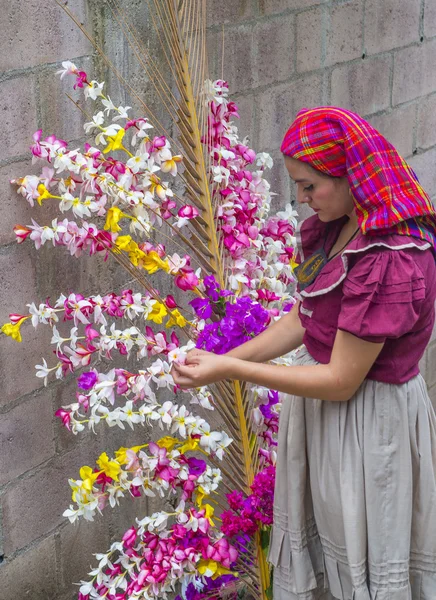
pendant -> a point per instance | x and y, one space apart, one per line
308 270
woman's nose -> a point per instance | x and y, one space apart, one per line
303 198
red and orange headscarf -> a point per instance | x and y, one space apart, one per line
387 193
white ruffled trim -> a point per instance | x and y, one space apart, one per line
344 258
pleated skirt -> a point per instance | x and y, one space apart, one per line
355 495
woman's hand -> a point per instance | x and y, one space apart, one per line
202 368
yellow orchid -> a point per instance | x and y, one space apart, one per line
122 242
125 242
44 194
115 142
190 444
88 477
210 568
114 214
121 453
209 513
293 263
167 442
152 262
176 319
158 313
13 330
109 467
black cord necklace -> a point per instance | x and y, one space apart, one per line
344 246
309 269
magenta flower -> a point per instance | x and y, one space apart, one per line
65 417
81 79
186 279
188 212
129 537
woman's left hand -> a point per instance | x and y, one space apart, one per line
202 369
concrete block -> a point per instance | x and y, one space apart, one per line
41 32
391 24
18 115
278 106
362 87
245 123
397 126
429 18
228 12
31 574
19 360
344 35
309 39
58 114
426 133
414 72
239 61
18 280
280 182
78 543
33 506
424 166
269 7
431 368
275 50
26 437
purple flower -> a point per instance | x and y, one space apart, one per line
202 307
87 380
196 466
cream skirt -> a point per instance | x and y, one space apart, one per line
355 495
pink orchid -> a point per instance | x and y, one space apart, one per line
170 302
246 153
188 212
81 79
15 318
129 537
165 208
65 417
186 280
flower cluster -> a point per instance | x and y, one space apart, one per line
91 184
243 319
258 251
114 204
247 515
165 469
149 562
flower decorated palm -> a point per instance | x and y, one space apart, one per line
130 195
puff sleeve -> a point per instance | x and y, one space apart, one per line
383 293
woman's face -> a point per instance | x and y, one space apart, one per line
329 197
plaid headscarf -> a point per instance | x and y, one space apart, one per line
386 191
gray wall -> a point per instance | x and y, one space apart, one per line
375 57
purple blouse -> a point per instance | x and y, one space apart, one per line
380 289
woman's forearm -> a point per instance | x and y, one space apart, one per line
278 339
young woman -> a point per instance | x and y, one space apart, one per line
355 501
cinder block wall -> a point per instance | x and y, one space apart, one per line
41 554
375 57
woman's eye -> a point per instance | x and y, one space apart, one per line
309 188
